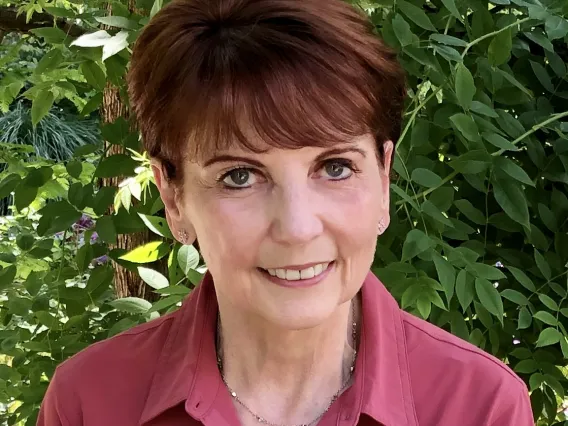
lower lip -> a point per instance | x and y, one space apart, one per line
309 282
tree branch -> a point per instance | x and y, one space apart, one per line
11 21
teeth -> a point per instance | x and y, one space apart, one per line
295 275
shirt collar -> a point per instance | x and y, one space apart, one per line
187 366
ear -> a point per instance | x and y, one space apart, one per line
388 153
171 196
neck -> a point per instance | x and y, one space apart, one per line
286 376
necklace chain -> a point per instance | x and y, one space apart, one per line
261 419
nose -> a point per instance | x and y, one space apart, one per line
297 218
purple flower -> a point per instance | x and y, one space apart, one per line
499 264
94 237
100 260
85 222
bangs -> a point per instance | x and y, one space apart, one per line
257 98
207 75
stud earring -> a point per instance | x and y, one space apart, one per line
381 226
183 236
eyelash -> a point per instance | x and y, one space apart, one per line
341 161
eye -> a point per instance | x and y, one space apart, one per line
337 169
239 178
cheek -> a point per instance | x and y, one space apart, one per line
229 230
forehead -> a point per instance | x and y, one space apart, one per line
364 145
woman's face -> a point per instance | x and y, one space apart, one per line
287 235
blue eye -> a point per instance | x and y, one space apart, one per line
337 169
239 178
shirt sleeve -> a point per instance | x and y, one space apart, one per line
515 408
50 413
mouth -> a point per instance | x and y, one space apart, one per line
299 272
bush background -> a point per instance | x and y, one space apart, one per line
478 242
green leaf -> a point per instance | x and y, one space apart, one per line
8 184
166 302
489 297
539 38
416 15
451 6
118 21
548 302
526 366
157 225
51 35
522 278
556 27
84 256
500 47
515 297
116 165
464 289
25 241
465 86
416 242
7 276
49 61
446 275
548 336
499 141
482 109
542 265
402 31
74 168
94 75
447 39
402 193
149 252
24 195
42 103
448 53
153 278
133 305
512 200
38 177
489 272
466 126
512 169
45 318
525 319
174 289
426 178
188 258
431 210
106 230
546 317
156 7
472 162
469 211
542 76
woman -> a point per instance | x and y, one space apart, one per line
270 124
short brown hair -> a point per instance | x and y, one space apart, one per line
204 73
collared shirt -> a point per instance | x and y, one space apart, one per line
164 373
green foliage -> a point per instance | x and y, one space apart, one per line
478 241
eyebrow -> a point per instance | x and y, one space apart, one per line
256 163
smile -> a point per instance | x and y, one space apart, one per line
299 274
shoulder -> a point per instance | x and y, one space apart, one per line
102 375
466 378
129 350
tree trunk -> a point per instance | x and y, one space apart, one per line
126 282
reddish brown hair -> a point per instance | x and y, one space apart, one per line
206 74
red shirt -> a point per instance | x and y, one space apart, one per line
164 373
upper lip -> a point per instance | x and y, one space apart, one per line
300 267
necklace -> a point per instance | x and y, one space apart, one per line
261 419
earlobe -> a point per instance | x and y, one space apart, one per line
181 229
